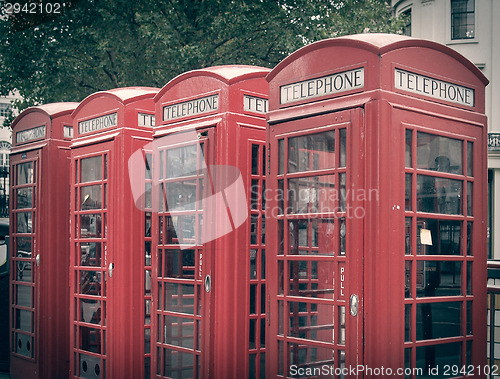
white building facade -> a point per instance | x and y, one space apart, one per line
5 144
471 28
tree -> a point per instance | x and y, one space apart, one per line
94 45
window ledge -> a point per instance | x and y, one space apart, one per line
462 41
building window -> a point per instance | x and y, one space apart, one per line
407 17
4 109
462 19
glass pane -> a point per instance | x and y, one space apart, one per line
408 198
90 339
408 239
438 278
408 323
181 195
469 199
90 225
25 173
315 194
91 197
90 283
312 279
469 238
179 263
178 331
408 279
438 320
182 228
439 153
182 161
409 136
311 152
254 194
255 159
439 355
90 311
470 155
179 298
438 195
23 320
177 364
253 264
91 169
24 222
90 254
311 321
23 271
24 296
23 247
438 237
281 156
24 198
343 147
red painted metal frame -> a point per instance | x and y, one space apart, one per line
379 154
123 324
230 132
49 235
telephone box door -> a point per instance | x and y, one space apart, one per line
315 223
24 258
183 279
91 265
444 244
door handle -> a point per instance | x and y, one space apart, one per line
110 269
354 305
37 260
208 283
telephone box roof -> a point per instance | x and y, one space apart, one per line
380 44
51 109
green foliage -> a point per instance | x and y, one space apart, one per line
95 45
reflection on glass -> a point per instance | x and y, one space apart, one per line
181 195
315 194
90 311
23 271
176 362
311 321
408 139
90 283
179 298
23 247
90 225
438 195
90 254
438 320
438 237
281 156
439 278
91 169
24 222
25 173
343 147
312 279
178 331
469 238
182 228
311 152
439 153
91 197
470 152
253 264
90 339
181 161
254 194
469 199
24 198
341 324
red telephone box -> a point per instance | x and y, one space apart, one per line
110 264
208 184
376 211
40 241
